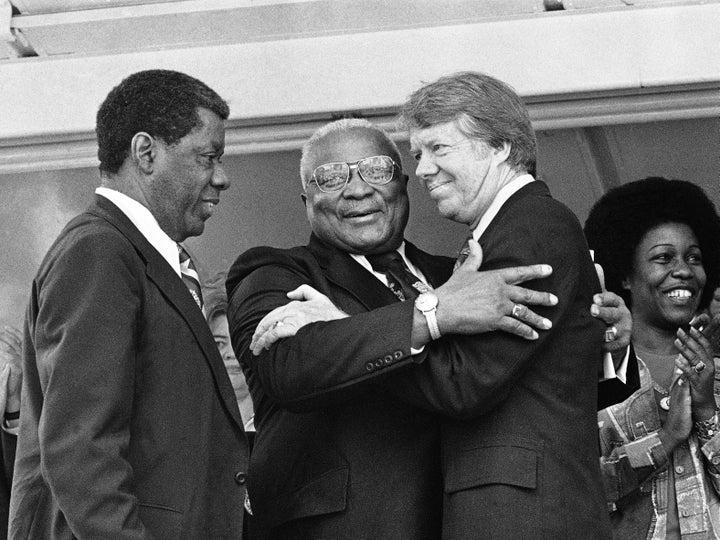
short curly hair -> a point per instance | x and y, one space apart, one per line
160 102
620 219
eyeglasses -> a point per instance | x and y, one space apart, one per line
374 170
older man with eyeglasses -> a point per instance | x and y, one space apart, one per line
336 455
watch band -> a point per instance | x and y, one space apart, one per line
432 324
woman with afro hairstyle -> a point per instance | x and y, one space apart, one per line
658 242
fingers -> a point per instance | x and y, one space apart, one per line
693 346
515 326
12 338
521 295
268 338
519 274
608 299
268 322
525 315
305 292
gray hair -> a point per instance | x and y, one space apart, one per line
483 107
344 125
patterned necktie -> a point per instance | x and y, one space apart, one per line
463 254
402 282
190 276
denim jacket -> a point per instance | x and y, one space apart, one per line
635 471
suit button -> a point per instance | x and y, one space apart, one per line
379 363
370 366
240 478
679 469
716 460
398 355
388 359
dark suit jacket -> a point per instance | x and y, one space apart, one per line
129 426
349 462
521 461
519 447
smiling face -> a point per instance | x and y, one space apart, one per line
667 278
359 218
462 175
188 178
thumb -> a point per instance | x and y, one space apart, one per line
304 292
474 258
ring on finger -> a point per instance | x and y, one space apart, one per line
699 367
516 310
277 323
610 334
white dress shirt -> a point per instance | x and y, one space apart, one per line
146 223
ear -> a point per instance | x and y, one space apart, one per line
501 154
143 151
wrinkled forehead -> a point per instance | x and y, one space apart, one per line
350 146
445 133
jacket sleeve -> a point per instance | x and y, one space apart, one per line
85 335
467 376
459 376
625 463
325 362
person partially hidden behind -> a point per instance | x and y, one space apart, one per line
215 308
129 427
10 386
340 452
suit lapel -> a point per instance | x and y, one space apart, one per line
436 269
343 271
174 290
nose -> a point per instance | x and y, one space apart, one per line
219 179
425 167
356 187
682 269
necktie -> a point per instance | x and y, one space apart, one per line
190 276
403 283
463 254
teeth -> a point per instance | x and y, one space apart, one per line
680 293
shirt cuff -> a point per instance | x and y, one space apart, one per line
609 371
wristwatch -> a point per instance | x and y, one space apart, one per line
427 304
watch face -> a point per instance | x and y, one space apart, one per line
426 302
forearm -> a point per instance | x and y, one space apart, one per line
326 361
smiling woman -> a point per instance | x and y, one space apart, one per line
658 241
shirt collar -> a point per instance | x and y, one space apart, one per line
146 223
501 198
362 260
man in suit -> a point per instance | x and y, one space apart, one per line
129 426
521 459
519 442
350 460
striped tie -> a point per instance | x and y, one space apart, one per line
401 281
464 253
190 275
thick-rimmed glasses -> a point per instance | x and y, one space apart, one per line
374 170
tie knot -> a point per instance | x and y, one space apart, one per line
382 262
184 255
